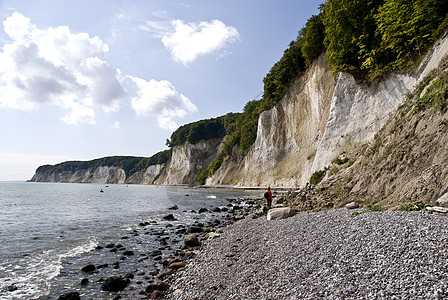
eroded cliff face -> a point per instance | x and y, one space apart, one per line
318 119
186 160
146 177
288 135
103 174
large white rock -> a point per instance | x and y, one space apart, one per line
280 213
443 201
439 209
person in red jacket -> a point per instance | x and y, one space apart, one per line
268 196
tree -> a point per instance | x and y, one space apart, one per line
313 36
409 27
350 37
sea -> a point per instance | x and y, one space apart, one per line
49 231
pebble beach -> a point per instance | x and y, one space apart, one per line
322 255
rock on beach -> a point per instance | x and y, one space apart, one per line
280 213
322 255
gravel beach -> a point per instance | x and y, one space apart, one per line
323 255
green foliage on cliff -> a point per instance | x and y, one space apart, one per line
130 164
244 133
203 130
368 38
283 72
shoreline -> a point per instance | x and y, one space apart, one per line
325 254
139 270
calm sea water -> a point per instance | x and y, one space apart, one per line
44 227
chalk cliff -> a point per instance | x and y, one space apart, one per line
102 174
319 118
186 160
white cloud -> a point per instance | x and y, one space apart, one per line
56 67
191 40
79 114
159 98
116 125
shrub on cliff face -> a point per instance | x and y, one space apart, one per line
317 176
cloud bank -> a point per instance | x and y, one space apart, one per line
56 67
189 41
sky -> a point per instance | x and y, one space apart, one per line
81 80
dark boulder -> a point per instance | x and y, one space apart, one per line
192 240
195 229
203 210
115 284
128 253
88 268
169 217
174 207
70 296
157 294
12 288
160 286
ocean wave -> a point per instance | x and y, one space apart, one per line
31 276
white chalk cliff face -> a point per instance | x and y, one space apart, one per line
104 174
289 133
319 118
186 160
147 176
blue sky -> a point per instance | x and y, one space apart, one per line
86 79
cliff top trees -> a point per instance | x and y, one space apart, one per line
203 129
368 38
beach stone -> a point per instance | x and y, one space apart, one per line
176 265
212 235
194 229
70 296
192 240
175 207
85 281
128 253
157 294
351 205
155 253
238 217
203 210
438 209
102 266
88 268
169 217
280 213
165 274
12 288
115 284
443 201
